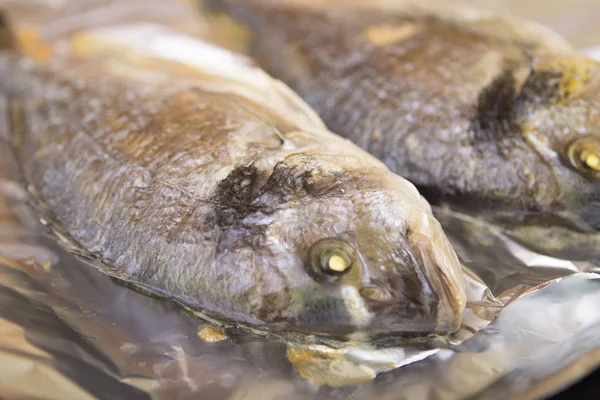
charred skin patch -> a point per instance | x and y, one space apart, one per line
493 120
233 202
247 190
235 193
313 176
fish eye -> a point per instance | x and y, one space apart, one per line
584 154
331 258
335 261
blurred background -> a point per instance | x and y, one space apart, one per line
576 20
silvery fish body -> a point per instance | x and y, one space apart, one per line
495 116
183 169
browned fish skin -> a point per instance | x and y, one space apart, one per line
209 199
478 120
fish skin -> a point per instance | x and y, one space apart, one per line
216 200
478 118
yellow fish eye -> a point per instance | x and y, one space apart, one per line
332 258
584 154
335 261
590 160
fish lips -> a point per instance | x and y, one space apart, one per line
427 297
444 275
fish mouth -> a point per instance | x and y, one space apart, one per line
443 272
428 295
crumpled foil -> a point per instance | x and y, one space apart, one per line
71 332
67 331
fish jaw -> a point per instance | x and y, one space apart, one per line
443 271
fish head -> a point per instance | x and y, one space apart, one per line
559 112
360 250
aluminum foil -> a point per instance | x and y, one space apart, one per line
68 331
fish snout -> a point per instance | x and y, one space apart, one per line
439 266
414 296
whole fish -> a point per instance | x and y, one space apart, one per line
496 117
186 171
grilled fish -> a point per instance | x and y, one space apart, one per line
183 169
496 117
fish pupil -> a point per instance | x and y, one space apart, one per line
590 160
335 261
584 154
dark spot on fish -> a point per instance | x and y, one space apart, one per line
214 6
493 120
248 191
311 176
235 193
233 202
542 88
